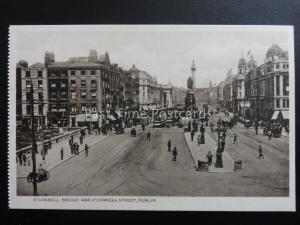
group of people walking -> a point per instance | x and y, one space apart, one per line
24 158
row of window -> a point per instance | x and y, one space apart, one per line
285 103
28 84
83 72
40 96
284 66
29 109
83 83
28 74
84 108
83 94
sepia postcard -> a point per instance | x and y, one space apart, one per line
152 117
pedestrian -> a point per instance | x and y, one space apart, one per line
224 135
134 132
148 136
256 129
169 145
192 135
209 157
28 158
269 134
175 153
143 126
20 158
49 143
99 130
76 148
72 139
131 132
86 149
72 149
199 139
24 159
260 152
81 140
70 142
235 138
62 153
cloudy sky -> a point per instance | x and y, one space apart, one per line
164 51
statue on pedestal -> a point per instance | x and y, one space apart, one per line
190 97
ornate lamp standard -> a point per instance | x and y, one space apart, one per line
219 160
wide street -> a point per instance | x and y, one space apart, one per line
121 165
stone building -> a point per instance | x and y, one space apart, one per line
35 76
83 87
267 87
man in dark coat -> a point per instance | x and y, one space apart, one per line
169 145
86 149
149 136
175 153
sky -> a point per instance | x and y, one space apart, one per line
166 52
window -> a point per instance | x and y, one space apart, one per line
27 73
73 72
28 96
53 95
94 94
93 83
40 96
93 72
40 109
40 83
277 103
83 95
82 72
277 66
83 83
40 73
283 66
63 84
73 108
287 66
73 83
53 108
83 107
53 85
277 86
73 94
63 95
287 103
28 84
28 109
283 103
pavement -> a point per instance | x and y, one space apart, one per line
124 166
53 158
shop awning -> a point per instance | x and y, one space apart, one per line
275 115
111 117
285 115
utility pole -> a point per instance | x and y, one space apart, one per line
34 146
257 103
43 132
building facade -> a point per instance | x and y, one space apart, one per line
267 87
30 78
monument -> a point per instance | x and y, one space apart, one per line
190 103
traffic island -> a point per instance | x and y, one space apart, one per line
199 153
